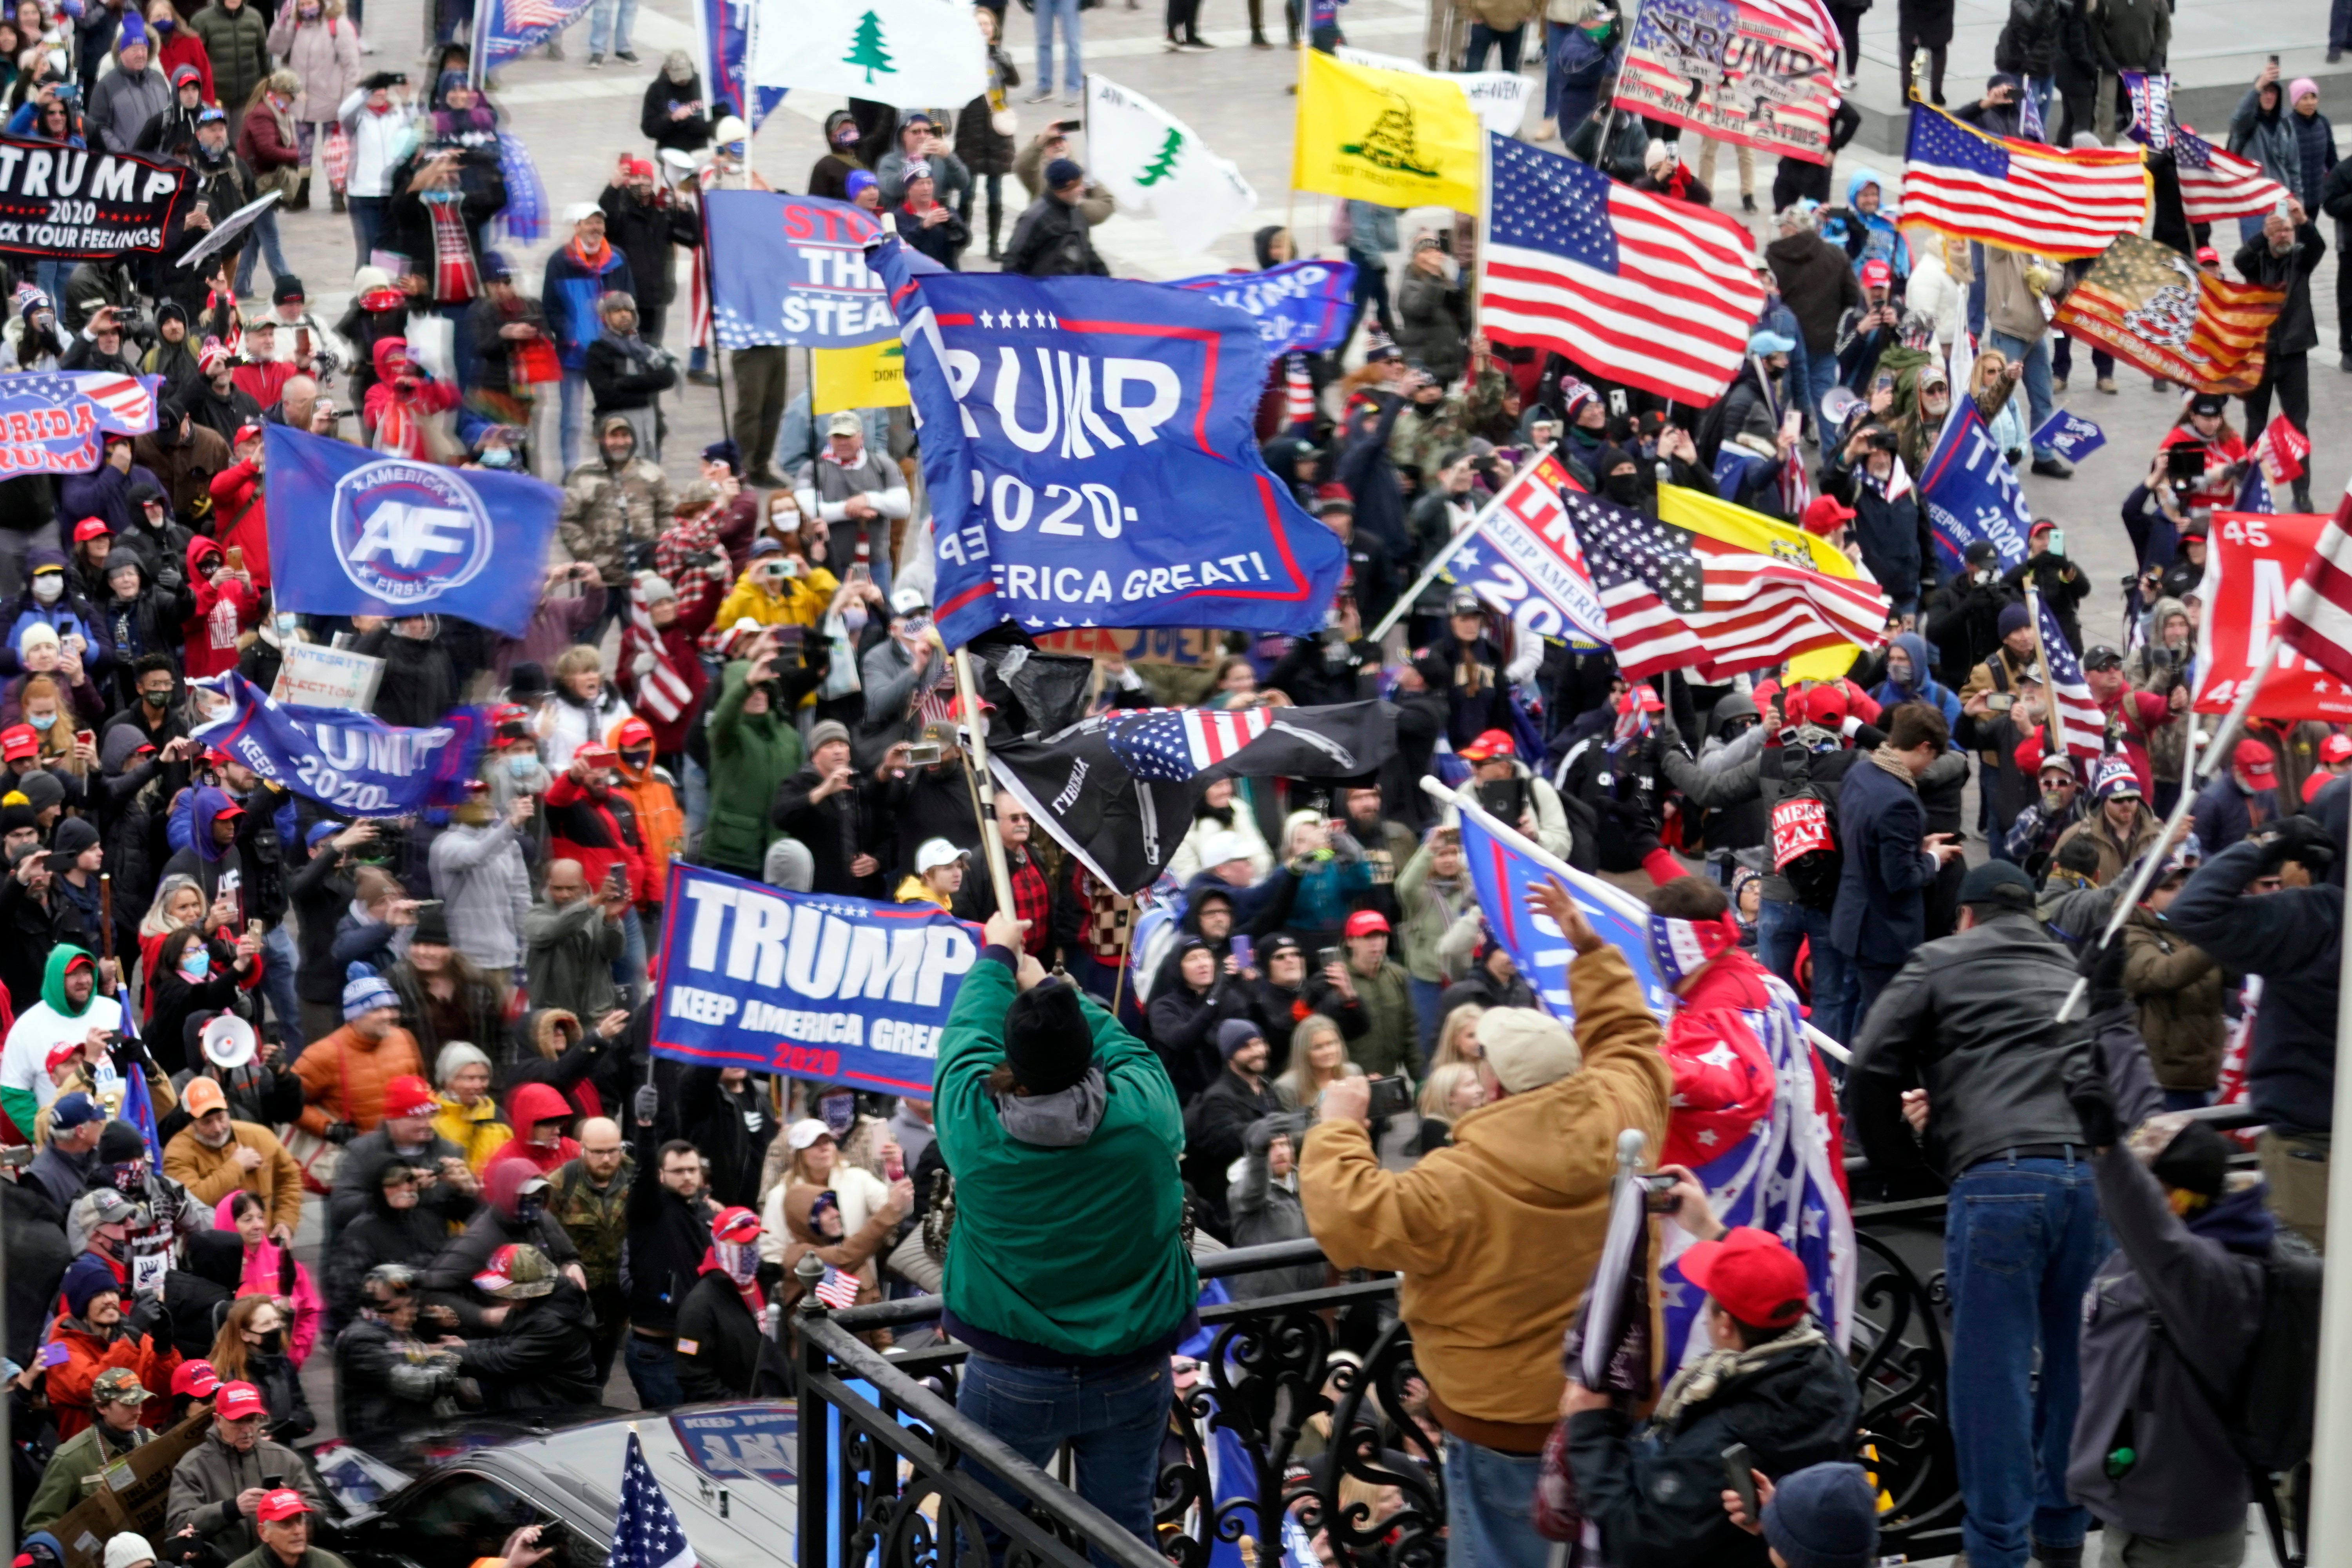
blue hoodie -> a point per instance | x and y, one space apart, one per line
1923 686
1869 237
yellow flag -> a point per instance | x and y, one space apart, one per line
1390 137
873 376
1732 524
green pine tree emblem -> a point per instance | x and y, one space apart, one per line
867 50
1163 165
1389 144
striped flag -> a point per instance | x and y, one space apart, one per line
1520 555
2216 184
2147 304
1762 72
836 1290
2081 725
1647 290
1681 599
1174 743
2318 619
662 692
2019 196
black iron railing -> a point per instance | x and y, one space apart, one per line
1319 1389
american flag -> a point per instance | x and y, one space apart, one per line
2215 184
1172 744
646 1533
2019 196
2082 724
1779 91
125 403
1650 291
519 25
661 690
1679 599
836 1290
2318 619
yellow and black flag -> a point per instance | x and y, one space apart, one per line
1396 138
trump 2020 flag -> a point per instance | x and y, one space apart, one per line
791 270
1090 459
722 29
646 1531
359 533
893 51
1300 307
1521 556
1971 493
1152 162
353 763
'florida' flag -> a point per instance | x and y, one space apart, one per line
646 1533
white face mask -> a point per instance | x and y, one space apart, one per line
49 587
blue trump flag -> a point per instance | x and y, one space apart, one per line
401 537
793 269
840 989
1300 307
724 28
511 27
2069 436
55 421
1971 493
1107 473
353 763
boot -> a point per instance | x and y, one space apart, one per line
995 223
337 203
2302 493
302 202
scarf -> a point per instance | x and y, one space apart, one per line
746 1285
1889 758
1681 948
593 260
1699 1381
455 280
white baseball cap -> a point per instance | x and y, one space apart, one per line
936 852
805 1132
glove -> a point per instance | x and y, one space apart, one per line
151 1318
2094 1101
647 1105
2300 839
340 1132
2104 966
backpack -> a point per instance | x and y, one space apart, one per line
1804 841
2270 1422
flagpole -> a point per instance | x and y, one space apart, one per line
968 695
1298 89
1437 563
751 88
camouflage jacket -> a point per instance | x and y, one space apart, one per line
605 511
597 1222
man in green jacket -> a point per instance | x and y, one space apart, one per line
81 1459
236 40
1066 1269
754 747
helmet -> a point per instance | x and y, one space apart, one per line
516 1272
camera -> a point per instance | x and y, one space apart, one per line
1657 1189
923 753
1881 440
1389 1096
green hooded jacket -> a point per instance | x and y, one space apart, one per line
22 1105
751 754
1080 1250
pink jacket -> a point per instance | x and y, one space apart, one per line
260 1278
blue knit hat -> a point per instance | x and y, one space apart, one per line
131 31
365 995
1233 1034
89 1276
1823 1516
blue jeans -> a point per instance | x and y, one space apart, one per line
2036 360
1426 996
1781 929
1074 64
1488 1495
1484 37
653 1371
367 223
278 962
572 412
1113 1423
2021 1240
262 244
604 28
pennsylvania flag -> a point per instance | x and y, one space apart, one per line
2148 303
1390 137
1736 525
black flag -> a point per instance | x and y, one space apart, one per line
1118 791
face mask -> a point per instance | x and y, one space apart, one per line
156 699
740 1259
1624 488
521 767
49 587
2054 802
854 618
196 962
498 457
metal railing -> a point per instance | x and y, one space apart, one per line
1317 1392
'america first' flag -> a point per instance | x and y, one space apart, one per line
54 422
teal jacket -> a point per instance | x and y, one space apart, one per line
1077 1250
751 753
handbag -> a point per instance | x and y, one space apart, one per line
337 155
319 1157
535 364
1004 121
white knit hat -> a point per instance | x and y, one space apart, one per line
128 1550
1527 1050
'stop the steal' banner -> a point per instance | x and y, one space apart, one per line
358 533
809 984
1108 474
352 763
791 270
53 422
75 204
1762 74
1300 307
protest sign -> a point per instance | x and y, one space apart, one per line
354 763
2069 436
313 675
1301 307
1499 97
1108 472
2252 560
791 269
68 204
1971 493
55 421
129 1496
393 537
1762 74
808 984
874 376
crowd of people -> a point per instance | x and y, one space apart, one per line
293 1084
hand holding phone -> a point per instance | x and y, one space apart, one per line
1739 1475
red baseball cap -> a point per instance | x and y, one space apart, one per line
1877 274
196 1377
1826 707
1493 743
1824 515
633 733
19 741
281 1505
248 431
408 1095
2335 749
1364 922
237 1400
65 1050
2256 759
737 1224
91 528
595 753
1751 1274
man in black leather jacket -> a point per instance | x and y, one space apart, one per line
1968 1021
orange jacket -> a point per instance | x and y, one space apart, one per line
661 824
343 1076
87 1355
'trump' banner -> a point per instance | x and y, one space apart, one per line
1301 307
2252 560
791 270
1522 557
1971 493
54 422
1107 474
1736 71
72 204
359 533
722 28
353 763
809 984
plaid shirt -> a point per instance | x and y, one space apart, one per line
1032 899
1108 915
691 558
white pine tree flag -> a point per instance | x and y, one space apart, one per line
1152 162
892 51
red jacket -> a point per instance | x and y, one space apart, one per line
599 834
87 1355
241 516
225 608
1723 1079
182 48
